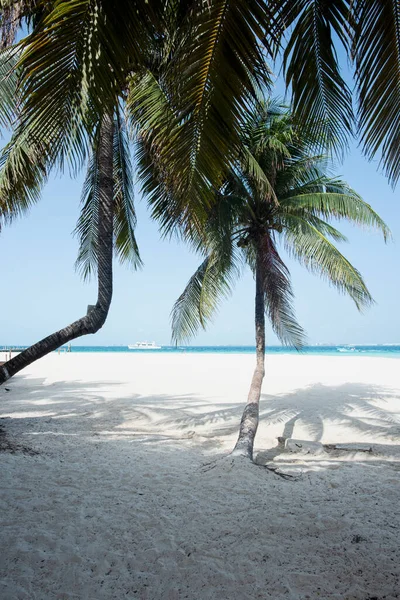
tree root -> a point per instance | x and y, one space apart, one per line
230 461
275 471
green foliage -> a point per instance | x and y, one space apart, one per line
203 59
321 98
125 216
72 68
22 168
294 209
86 227
368 31
125 244
193 74
312 248
197 303
189 71
190 107
8 86
75 64
376 52
23 172
279 295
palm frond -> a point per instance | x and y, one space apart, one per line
155 126
199 301
218 92
9 97
312 219
214 77
125 216
75 65
270 127
23 173
376 52
336 200
87 226
303 169
279 295
321 98
257 175
54 81
311 248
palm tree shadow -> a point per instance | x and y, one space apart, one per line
366 411
112 411
103 410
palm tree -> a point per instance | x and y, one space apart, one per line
83 60
279 192
107 219
106 224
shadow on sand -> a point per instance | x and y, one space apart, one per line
108 410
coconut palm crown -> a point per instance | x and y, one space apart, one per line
279 195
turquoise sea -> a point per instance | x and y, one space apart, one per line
388 350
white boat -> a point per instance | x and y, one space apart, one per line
144 346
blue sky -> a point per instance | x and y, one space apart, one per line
42 292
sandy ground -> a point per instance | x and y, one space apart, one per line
117 488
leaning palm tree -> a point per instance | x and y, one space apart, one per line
72 124
279 193
82 60
107 219
106 226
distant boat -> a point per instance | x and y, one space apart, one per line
144 346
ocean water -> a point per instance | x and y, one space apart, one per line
387 350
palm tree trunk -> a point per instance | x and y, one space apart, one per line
249 423
96 315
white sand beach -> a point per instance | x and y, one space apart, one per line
115 486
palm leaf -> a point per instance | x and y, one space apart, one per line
86 230
322 226
337 201
199 301
321 98
75 66
376 52
23 172
54 78
311 248
155 127
8 87
257 175
279 295
125 216
214 77
87 226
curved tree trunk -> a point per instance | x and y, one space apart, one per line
96 315
249 423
